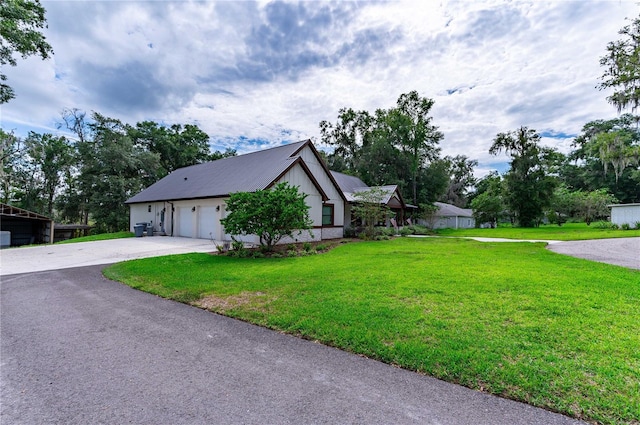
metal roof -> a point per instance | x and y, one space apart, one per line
11 211
448 210
243 173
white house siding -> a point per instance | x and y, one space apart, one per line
331 232
151 212
454 222
625 214
296 176
324 181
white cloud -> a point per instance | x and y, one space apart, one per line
272 71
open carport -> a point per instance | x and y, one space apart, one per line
25 227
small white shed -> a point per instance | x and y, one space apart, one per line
625 214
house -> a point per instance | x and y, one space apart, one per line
452 217
625 214
190 201
351 186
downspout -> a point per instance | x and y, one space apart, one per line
172 211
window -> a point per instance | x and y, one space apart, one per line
327 215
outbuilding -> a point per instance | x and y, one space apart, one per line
625 214
22 227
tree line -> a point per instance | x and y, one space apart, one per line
106 161
400 145
87 178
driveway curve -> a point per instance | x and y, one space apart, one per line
78 348
620 251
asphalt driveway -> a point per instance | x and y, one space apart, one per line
621 252
64 256
78 348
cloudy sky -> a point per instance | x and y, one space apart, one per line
259 74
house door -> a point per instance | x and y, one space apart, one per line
185 222
207 223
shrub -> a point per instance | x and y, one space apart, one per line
307 247
625 226
638 225
350 232
321 247
405 231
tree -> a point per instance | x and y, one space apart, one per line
487 207
419 137
488 200
460 180
564 205
11 159
176 146
369 208
602 146
529 187
623 68
52 158
20 25
390 146
270 214
594 205
112 169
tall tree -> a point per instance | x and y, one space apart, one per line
21 22
529 187
420 136
391 146
177 146
11 157
113 168
461 179
622 64
603 146
52 157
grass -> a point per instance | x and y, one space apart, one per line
512 319
99 237
566 232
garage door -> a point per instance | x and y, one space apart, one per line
207 223
185 222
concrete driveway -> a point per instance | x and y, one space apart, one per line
56 257
77 348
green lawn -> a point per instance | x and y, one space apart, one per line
512 319
99 237
566 232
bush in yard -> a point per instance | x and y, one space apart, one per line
270 214
370 209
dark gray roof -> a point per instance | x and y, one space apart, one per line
448 210
346 182
242 173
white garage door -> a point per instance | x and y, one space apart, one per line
207 223
185 222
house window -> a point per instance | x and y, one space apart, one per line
327 215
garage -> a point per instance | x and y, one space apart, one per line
207 223
185 222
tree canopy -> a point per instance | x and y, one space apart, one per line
529 186
21 22
399 145
622 68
